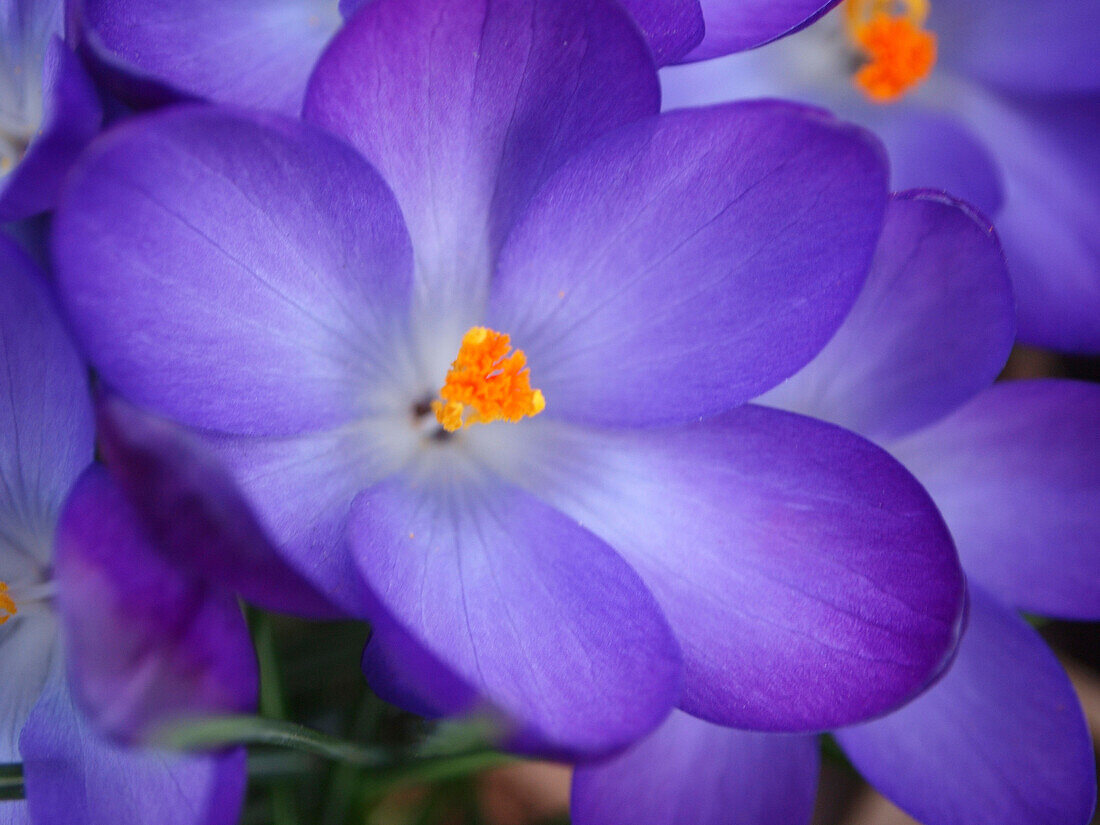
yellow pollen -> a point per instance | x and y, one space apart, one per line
900 54
487 382
7 603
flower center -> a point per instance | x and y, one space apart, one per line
487 382
899 53
7 603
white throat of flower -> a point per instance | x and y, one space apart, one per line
437 415
22 59
25 585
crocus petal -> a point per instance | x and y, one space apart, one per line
194 514
736 25
808 577
15 812
402 672
929 147
760 73
1050 223
350 7
933 326
466 105
1021 44
32 658
26 26
72 117
690 772
934 149
539 616
1000 740
236 272
1016 474
302 489
256 53
686 263
671 27
46 439
146 644
74 775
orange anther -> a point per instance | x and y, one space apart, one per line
487 382
7 603
900 54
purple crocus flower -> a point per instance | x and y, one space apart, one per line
260 53
48 107
1001 739
71 772
152 550
299 302
1006 119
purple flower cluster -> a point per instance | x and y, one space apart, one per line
1007 119
664 440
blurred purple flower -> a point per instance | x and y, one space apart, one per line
151 552
259 280
260 53
1001 739
48 107
1007 120
72 773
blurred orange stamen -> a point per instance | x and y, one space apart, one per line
900 54
7 604
487 382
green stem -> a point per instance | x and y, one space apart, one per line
11 781
344 778
220 731
256 730
278 765
273 704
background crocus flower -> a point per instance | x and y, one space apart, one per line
1001 739
49 109
71 772
152 550
260 52
261 281
1005 118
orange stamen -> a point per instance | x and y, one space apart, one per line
900 54
7 603
487 382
